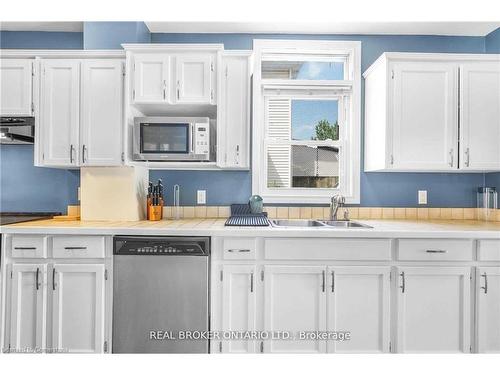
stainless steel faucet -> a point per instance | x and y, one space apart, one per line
338 201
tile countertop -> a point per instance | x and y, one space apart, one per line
215 227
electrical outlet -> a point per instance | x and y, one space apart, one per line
201 196
422 197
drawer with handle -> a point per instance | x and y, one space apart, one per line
239 248
78 247
435 249
29 246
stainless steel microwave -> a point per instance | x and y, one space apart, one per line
171 139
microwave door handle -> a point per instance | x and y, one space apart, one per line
192 138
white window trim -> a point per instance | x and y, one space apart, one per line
352 149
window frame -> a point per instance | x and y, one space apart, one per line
349 144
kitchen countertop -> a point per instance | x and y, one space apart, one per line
19 217
215 227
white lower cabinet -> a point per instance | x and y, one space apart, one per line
488 309
358 303
327 296
78 308
28 308
238 306
61 303
294 302
433 309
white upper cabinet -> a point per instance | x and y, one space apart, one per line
433 309
81 112
194 82
424 116
174 78
234 111
78 308
60 112
480 115
28 310
151 78
358 303
432 113
16 82
295 301
102 113
488 309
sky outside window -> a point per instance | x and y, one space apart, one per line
307 113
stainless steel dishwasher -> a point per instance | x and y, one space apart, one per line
160 294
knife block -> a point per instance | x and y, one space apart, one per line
155 213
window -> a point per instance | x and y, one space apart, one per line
306 121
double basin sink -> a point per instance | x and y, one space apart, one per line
317 224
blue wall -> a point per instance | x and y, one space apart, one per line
377 189
110 35
24 187
492 42
223 188
40 40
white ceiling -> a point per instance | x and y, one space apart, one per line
402 28
42 26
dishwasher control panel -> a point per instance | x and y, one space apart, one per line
139 245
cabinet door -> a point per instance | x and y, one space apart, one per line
238 306
424 116
295 302
480 115
433 309
78 308
28 310
151 78
16 87
194 78
60 112
102 98
358 303
235 112
488 309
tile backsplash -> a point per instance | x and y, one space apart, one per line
395 213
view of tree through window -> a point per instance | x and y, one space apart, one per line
314 119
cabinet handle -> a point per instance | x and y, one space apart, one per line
451 158
485 287
251 282
24 248
436 251
83 153
164 89
333 282
53 279
238 250
37 277
178 90
467 157
323 284
75 248
403 282
71 154
237 155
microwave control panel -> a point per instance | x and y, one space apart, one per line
202 139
